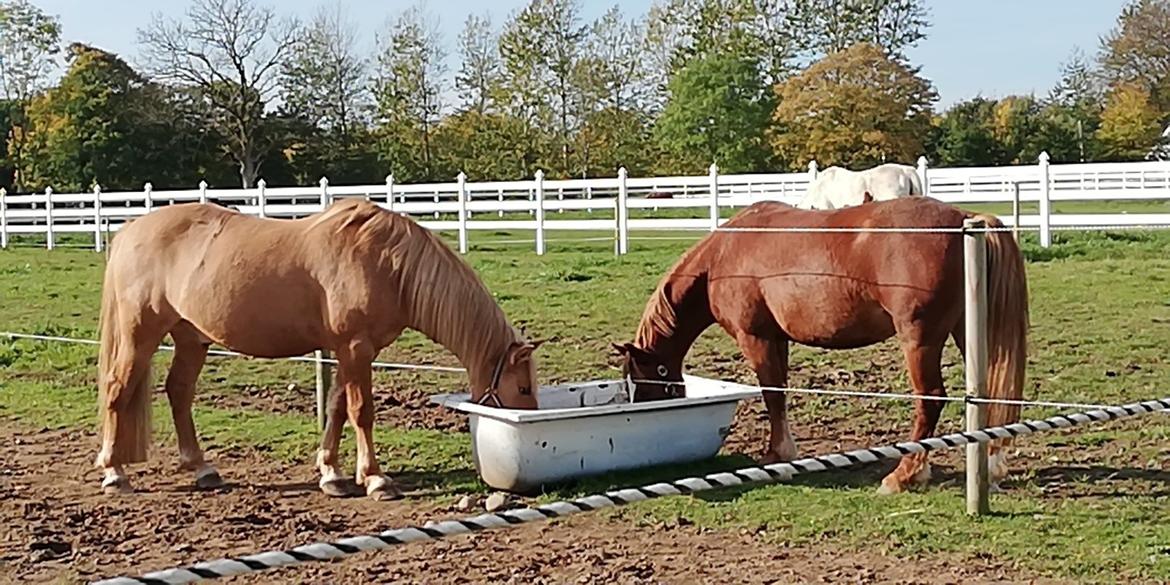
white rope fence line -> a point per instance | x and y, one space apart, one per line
218 352
892 395
777 472
910 230
807 391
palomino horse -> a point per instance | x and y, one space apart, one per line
349 279
837 290
837 187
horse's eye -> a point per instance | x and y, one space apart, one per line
661 370
525 390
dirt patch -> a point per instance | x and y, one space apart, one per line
58 528
396 407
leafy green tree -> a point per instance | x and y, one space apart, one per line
1137 51
29 42
486 146
967 135
823 27
105 124
231 51
409 93
479 69
857 108
717 112
542 52
680 31
1072 113
327 105
1130 128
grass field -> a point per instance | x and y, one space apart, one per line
1089 504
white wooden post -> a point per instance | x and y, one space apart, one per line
437 214
3 218
1045 203
148 196
262 197
623 213
97 218
539 198
324 384
560 197
326 197
203 191
462 180
49 236
975 369
1016 210
390 191
713 174
922 166
500 192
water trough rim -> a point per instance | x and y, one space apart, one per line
461 401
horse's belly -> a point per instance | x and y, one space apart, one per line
257 316
839 321
849 330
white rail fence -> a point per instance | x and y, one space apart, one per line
617 205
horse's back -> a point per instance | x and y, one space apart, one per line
838 288
240 279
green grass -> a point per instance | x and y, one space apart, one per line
1101 329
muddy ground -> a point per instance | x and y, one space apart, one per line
57 527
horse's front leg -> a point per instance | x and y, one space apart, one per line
333 481
358 388
769 358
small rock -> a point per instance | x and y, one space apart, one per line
464 504
292 387
497 501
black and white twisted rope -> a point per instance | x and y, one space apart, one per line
324 551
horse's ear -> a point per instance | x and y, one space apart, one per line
622 349
867 198
520 352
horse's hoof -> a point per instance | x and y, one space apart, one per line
209 481
117 487
890 487
380 489
338 488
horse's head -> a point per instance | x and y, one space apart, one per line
652 376
514 381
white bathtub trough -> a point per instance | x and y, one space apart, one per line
590 428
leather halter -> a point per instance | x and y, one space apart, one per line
494 387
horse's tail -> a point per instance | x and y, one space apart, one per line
1007 325
123 403
916 188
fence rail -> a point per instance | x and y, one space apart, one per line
604 204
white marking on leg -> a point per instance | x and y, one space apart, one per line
376 483
997 465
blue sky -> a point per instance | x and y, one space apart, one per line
987 47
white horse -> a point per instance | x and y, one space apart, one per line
837 187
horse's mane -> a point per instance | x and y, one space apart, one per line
440 294
659 318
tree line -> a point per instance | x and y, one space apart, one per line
233 91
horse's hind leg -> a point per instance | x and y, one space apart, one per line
996 449
923 361
190 355
769 358
125 405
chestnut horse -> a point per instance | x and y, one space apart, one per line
349 279
837 290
